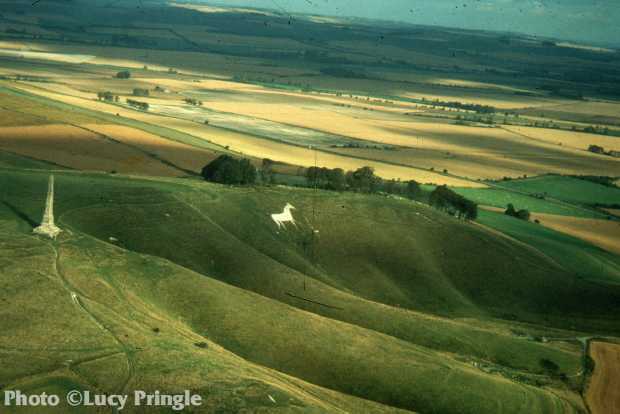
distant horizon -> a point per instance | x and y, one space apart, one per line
594 23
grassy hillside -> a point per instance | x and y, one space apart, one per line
152 220
104 339
581 258
420 271
139 214
340 356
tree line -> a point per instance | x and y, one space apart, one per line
229 170
444 199
137 104
362 180
240 171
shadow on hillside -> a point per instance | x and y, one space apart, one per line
21 214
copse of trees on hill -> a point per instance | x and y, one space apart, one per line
480 109
361 180
229 170
455 204
326 178
193 101
137 104
522 214
107 96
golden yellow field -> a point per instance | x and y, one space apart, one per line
602 233
591 108
484 166
505 153
305 157
613 211
77 148
579 140
428 142
255 147
181 155
497 100
215 9
603 394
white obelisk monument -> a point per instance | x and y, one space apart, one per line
47 227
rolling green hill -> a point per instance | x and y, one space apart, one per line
358 317
585 260
113 337
383 250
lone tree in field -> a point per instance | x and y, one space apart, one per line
522 214
140 92
106 96
228 170
124 74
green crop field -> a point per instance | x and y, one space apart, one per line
575 255
497 197
566 188
281 303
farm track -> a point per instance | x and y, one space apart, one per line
96 320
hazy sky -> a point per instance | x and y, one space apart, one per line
585 20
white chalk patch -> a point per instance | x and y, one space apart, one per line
284 217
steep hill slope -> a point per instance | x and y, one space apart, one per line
384 250
71 320
366 309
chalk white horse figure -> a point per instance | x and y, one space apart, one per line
285 216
